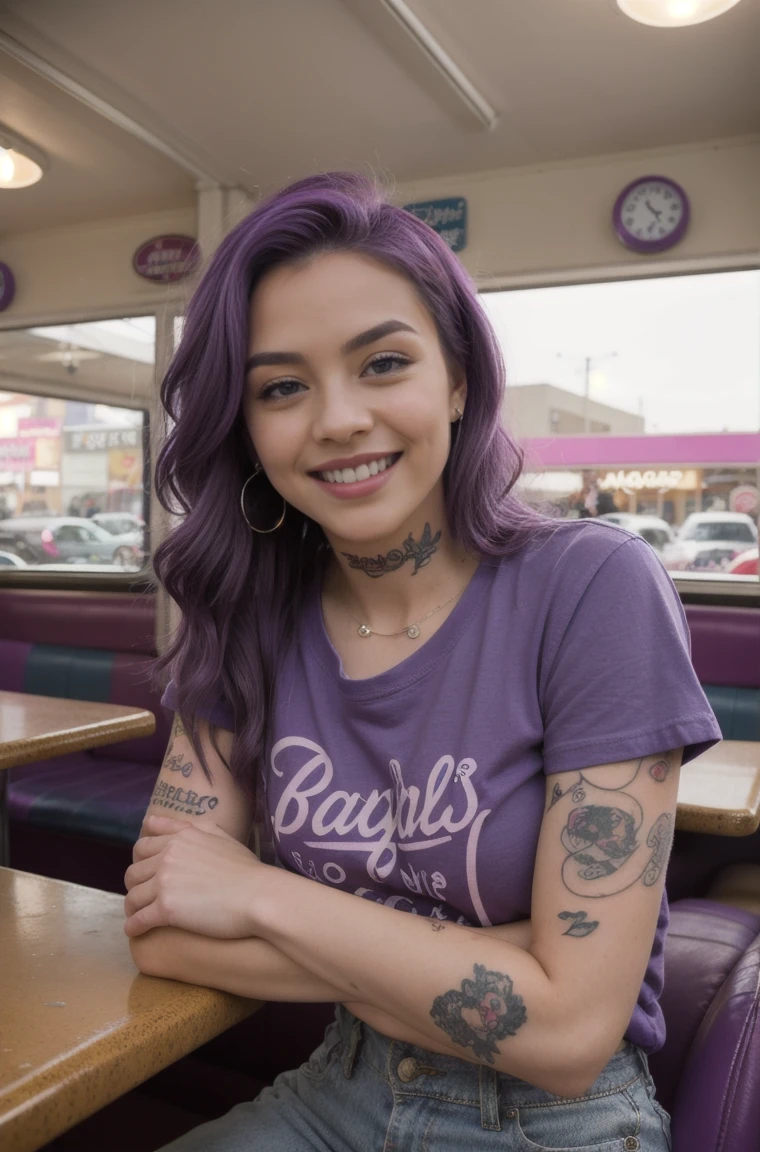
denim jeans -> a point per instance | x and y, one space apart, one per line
362 1092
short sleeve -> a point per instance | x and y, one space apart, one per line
620 683
219 713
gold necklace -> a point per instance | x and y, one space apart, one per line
412 630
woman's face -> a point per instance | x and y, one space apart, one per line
348 399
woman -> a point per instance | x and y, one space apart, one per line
453 706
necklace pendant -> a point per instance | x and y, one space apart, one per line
364 630
412 631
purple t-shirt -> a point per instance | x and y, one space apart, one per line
423 787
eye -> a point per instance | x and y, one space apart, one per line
386 363
280 390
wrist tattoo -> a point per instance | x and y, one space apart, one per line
419 552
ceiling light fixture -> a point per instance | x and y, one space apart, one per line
21 164
673 13
437 54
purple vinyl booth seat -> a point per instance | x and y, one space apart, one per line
708 1073
87 647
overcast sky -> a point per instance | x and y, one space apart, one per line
688 347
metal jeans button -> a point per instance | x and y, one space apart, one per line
631 1144
409 1069
510 1113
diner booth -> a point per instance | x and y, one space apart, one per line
96 269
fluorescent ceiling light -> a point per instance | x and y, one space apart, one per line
437 54
674 13
21 164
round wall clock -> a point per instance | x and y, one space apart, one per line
651 214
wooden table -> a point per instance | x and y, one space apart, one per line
719 792
79 1026
38 727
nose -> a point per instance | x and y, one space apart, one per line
341 414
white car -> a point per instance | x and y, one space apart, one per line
710 541
655 531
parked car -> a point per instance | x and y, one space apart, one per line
67 539
11 560
655 531
127 529
710 541
745 564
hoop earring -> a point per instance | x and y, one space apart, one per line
260 531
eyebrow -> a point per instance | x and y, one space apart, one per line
371 336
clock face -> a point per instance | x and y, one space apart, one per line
651 214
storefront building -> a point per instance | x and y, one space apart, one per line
664 476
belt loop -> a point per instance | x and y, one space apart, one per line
352 1048
489 1098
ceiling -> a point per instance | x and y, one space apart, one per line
253 93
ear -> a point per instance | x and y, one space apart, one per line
458 393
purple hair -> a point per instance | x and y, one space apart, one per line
240 594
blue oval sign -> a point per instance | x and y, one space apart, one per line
165 259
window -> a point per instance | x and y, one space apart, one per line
73 459
639 401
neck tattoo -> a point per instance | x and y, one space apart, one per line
419 552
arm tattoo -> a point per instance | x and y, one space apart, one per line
485 1010
580 925
660 839
182 800
661 770
178 763
606 852
420 553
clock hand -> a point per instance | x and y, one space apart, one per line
653 210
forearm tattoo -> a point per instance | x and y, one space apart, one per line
182 800
605 843
419 552
485 1010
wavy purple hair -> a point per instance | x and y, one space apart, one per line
240 595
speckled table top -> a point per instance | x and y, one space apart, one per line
36 727
79 1026
719 792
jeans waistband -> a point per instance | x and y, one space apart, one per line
414 1071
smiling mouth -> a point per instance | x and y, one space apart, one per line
362 472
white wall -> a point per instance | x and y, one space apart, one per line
552 223
538 225
86 272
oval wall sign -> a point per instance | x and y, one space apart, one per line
165 259
7 286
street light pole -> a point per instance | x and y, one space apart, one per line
587 360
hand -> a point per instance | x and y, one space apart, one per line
201 880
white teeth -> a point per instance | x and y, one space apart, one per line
363 472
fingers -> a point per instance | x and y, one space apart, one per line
140 908
156 825
139 872
148 846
